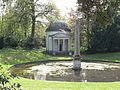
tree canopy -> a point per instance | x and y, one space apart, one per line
100 11
23 18
97 12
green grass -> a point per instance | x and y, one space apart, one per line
9 57
12 56
53 85
104 56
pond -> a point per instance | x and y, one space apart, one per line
62 71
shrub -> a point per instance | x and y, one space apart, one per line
1 42
10 42
31 43
5 81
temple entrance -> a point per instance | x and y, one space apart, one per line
60 47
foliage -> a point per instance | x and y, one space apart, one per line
10 42
30 44
33 10
100 11
107 40
1 42
22 19
5 81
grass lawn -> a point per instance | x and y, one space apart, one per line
9 57
53 85
104 56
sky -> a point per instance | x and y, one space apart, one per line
65 5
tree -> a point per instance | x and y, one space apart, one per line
27 19
107 40
98 11
32 9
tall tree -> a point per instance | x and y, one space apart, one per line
106 40
33 9
99 11
23 18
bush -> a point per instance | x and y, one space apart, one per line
83 49
1 42
31 43
10 42
5 81
105 40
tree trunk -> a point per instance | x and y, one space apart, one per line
88 33
33 27
33 20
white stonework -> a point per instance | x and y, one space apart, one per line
58 39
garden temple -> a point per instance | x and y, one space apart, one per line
58 38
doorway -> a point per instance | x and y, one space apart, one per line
61 45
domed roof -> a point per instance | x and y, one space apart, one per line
58 25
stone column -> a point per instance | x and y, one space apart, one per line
68 45
58 45
77 58
63 44
52 45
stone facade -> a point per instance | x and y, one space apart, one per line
58 38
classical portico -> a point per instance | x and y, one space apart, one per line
58 38
61 44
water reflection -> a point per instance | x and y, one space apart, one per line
38 76
91 72
76 73
81 74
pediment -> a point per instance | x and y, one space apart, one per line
60 35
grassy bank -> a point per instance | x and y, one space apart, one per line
115 57
12 56
9 57
53 85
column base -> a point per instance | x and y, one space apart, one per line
77 62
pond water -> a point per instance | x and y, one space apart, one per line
62 71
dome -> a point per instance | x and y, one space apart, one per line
57 26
